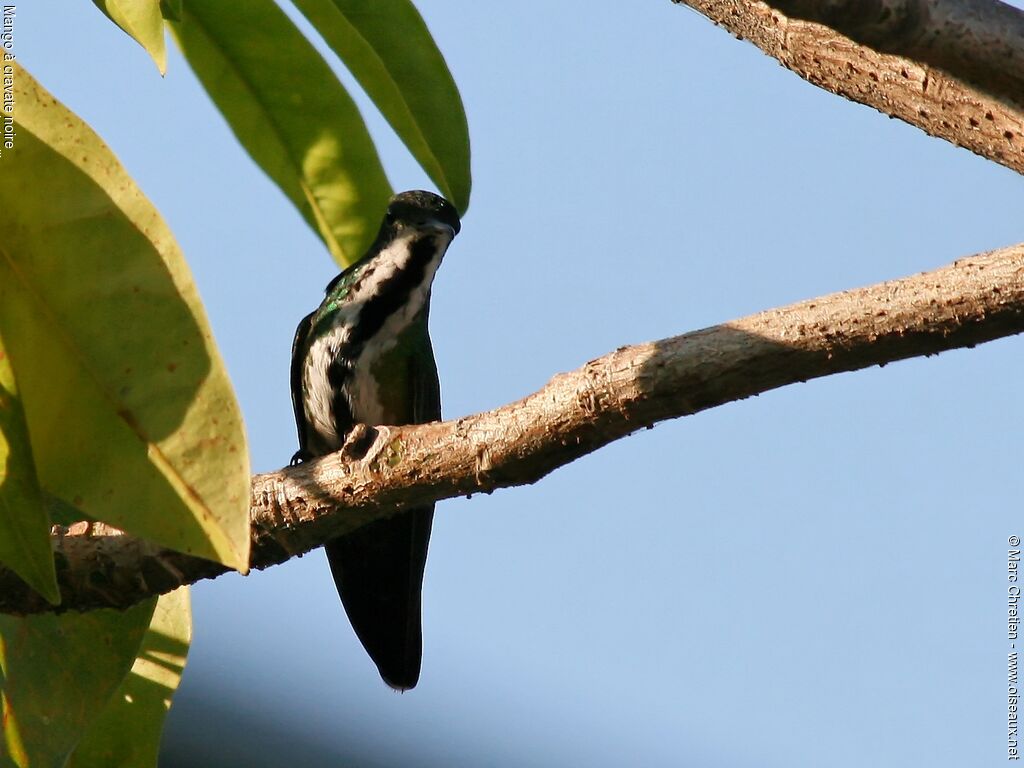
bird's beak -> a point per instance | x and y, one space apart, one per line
441 228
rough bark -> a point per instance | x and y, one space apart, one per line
895 67
297 509
980 42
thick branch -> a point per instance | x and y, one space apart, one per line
976 41
973 101
295 510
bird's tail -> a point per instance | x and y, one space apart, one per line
378 570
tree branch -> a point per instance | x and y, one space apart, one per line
976 41
294 510
953 68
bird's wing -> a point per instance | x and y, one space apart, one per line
425 384
299 347
378 568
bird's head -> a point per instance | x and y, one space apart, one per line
417 229
420 211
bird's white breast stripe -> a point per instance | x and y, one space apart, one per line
361 387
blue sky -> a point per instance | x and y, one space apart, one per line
816 576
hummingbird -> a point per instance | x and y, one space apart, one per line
364 357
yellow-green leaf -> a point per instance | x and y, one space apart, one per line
291 114
129 409
56 675
171 9
387 47
143 22
24 524
127 732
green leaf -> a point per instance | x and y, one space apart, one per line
144 23
387 47
127 732
129 408
291 114
57 674
63 513
171 9
24 524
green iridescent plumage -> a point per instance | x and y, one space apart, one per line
364 355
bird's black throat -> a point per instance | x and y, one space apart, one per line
388 298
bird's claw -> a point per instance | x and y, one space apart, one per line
298 457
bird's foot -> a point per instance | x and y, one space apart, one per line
298 457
